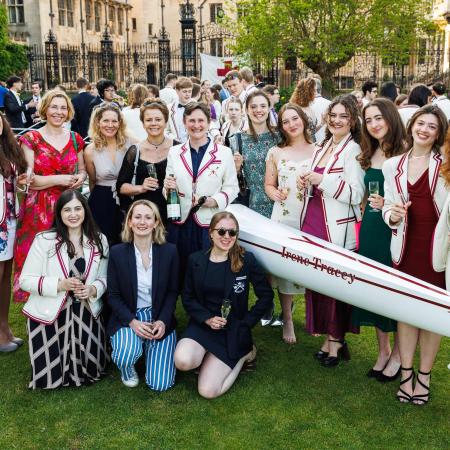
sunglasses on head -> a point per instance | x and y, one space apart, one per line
223 231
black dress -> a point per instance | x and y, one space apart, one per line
126 176
214 341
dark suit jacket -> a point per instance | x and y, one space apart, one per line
122 285
81 103
241 319
14 111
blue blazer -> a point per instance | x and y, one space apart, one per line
122 285
237 285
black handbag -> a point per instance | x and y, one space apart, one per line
243 197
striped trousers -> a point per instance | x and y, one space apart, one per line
127 348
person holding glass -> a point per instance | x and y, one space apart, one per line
218 338
383 137
65 274
415 194
142 294
204 175
55 155
13 169
234 123
144 167
337 182
292 157
103 158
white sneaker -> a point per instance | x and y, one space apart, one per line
133 381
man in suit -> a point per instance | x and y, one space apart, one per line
36 94
14 108
81 102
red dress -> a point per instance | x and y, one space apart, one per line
422 220
324 315
37 210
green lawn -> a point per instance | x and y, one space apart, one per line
289 402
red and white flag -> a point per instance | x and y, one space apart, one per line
215 68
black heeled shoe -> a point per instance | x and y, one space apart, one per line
321 355
404 397
372 373
420 397
342 353
382 378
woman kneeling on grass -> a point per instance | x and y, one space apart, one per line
65 274
142 293
216 291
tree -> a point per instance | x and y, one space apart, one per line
13 57
326 34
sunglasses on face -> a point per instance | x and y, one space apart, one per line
223 231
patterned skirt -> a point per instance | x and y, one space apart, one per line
69 352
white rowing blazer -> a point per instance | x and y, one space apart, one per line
45 266
395 171
216 178
440 250
342 189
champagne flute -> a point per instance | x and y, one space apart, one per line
304 170
282 185
225 308
29 175
151 170
374 189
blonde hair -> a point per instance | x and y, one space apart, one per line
48 98
94 127
159 233
139 93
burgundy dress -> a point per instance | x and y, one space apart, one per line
422 220
324 315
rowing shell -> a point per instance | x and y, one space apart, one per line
331 270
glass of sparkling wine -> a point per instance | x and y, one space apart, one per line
282 185
225 308
27 185
304 170
374 189
151 170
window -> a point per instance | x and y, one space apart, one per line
97 16
88 8
134 24
150 29
15 11
216 12
65 13
216 47
112 19
120 21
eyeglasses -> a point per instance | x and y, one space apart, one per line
223 231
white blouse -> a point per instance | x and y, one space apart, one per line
144 280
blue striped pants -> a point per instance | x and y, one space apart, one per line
127 348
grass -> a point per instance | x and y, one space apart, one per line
289 402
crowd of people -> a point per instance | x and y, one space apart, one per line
99 269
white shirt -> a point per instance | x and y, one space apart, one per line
134 124
19 101
144 280
406 112
246 92
168 95
179 111
319 106
444 104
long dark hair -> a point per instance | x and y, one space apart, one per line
394 143
350 105
89 227
252 131
10 151
236 253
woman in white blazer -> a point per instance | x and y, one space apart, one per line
415 194
205 176
12 162
65 274
333 188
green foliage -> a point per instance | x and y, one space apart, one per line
13 57
325 34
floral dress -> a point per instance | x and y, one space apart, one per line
8 226
255 153
288 211
37 210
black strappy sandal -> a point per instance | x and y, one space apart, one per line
422 399
404 397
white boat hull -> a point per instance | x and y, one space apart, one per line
331 270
